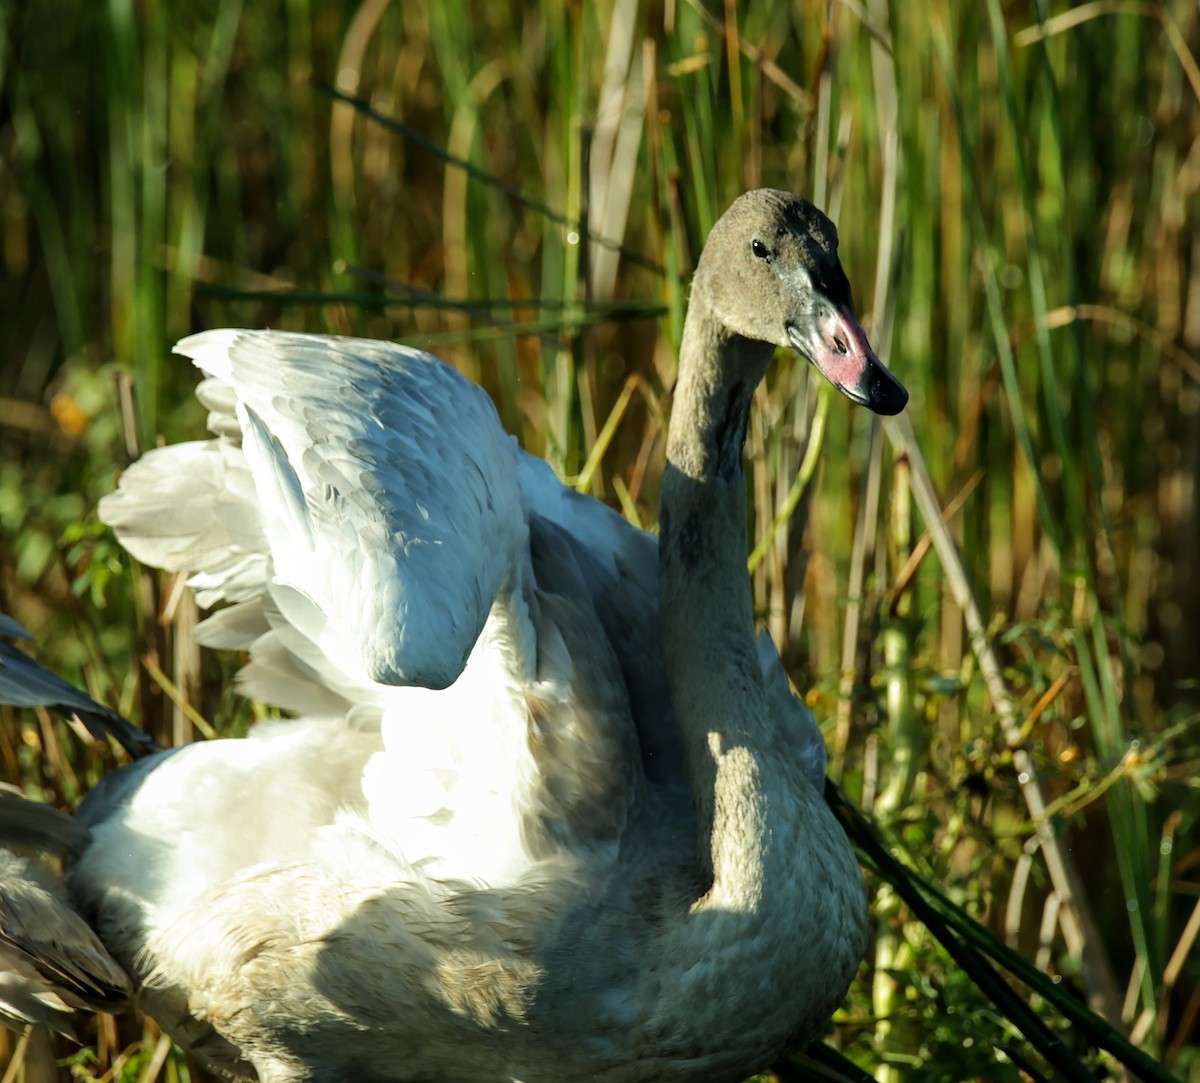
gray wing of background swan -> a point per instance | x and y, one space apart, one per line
51 963
24 683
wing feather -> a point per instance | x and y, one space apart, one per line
386 493
25 683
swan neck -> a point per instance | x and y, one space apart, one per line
718 373
708 623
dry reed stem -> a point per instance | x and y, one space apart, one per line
908 572
158 1058
1171 972
1068 314
1079 930
758 57
1068 20
18 1058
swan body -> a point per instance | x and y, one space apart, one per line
550 810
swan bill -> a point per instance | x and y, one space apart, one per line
837 345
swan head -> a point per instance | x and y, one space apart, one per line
770 272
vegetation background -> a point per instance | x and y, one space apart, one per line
1017 186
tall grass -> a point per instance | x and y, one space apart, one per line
1010 684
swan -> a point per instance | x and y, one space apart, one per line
550 810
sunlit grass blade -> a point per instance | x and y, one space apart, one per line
969 942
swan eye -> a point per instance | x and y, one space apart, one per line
760 250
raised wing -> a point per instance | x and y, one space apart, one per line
385 490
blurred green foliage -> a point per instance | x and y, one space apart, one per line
1018 210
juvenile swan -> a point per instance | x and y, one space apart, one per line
551 812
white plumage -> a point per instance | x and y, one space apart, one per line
550 812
